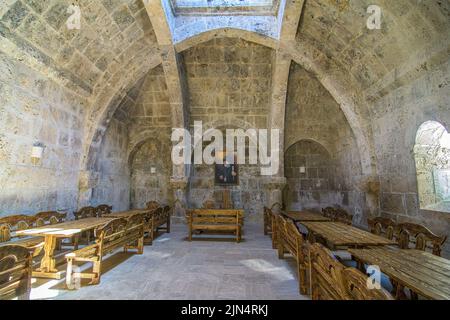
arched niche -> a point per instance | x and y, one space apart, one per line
432 157
309 170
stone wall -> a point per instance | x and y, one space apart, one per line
33 108
312 114
229 79
309 170
229 84
113 185
396 117
151 168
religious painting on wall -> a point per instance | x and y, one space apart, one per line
227 174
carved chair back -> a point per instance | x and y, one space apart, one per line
382 226
15 272
85 212
355 286
49 217
419 237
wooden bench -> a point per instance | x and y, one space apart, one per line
49 218
218 220
156 220
291 241
15 272
118 233
411 235
10 224
331 280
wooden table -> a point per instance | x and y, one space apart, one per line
304 216
54 232
422 272
339 235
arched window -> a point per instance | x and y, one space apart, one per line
432 156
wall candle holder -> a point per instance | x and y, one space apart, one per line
36 153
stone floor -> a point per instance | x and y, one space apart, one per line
174 268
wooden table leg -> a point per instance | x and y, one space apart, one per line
48 262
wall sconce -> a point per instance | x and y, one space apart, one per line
36 153
302 169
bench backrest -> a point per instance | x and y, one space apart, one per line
382 226
291 237
14 223
110 233
153 205
355 287
343 216
215 216
49 217
15 272
103 209
419 237
326 274
85 212
119 231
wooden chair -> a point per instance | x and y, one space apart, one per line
355 286
420 238
153 205
326 274
49 217
291 241
15 272
10 224
382 226
103 209
118 233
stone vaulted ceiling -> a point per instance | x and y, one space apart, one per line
120 40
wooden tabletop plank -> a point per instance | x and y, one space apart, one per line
411 268
340 234
66 229
299 216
